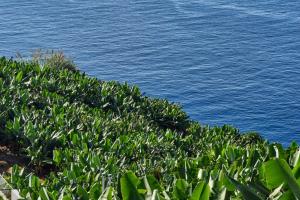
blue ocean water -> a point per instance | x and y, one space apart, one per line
226 61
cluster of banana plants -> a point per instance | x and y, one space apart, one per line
94 139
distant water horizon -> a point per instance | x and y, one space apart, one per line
225 61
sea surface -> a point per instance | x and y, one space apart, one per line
225 61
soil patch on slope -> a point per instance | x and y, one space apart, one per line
8 158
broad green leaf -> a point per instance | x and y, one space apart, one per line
181 189
224 180
295 158
201 192
95 191
277 171
107 194
296 169
288 195
129 183
261 189
153 183
44 194
82 193
19 76
57 156
246 191
34 182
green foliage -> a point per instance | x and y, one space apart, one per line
105 140
129 183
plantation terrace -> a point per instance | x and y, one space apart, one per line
65 135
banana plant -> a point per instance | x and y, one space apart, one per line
75 130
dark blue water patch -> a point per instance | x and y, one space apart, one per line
226 61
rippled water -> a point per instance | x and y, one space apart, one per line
227 62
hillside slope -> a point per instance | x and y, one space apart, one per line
84 138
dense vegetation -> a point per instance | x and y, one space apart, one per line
104 140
